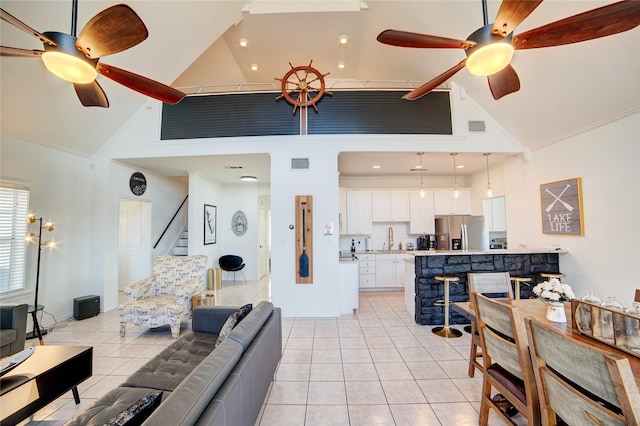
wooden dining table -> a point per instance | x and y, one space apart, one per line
536 309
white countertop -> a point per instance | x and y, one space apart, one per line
495 251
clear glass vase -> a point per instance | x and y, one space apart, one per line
584 314
632 327
608 332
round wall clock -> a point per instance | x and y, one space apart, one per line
138 183
239 223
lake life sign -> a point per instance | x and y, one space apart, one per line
561 204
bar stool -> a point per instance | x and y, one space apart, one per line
516 282
446 331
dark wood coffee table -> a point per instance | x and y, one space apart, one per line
43 377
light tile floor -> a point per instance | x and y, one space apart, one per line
376 367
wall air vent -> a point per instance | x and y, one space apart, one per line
476 126
299 164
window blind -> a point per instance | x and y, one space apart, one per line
14 206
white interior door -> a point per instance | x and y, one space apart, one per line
263 237
133 242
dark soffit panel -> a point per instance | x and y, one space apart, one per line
381 112
215 116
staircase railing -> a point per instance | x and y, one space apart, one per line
171 221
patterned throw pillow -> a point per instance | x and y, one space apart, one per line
232 321
138 412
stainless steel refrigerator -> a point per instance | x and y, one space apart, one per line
460 232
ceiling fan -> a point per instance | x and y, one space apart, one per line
490 49
77 59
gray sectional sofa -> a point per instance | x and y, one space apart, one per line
200 385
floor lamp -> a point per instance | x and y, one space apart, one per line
33 310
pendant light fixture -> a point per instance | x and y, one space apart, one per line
420 154
489 191
456 191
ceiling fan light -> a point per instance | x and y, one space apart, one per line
69 67
490 59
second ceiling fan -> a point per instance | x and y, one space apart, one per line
490 48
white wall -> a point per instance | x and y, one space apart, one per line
60 192
607 258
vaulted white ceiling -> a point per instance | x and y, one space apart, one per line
193 45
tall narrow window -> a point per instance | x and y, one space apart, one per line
14 206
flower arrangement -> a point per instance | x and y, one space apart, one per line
553 291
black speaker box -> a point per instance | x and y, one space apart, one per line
86 307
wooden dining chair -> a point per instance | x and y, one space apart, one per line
507 364
637 298
579 383
493 284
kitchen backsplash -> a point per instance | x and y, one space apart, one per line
380 236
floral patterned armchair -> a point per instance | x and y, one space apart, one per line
164 297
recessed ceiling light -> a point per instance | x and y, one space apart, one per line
341 65
244 42
248 178
460 166
254 67
376 167
344 39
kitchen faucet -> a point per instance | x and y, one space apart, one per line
390 233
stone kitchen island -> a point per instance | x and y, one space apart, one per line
427 264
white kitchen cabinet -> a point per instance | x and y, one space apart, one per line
366 270
494 214
421 213
499 216
349 297
385 270
342 211
390 270
446 204
390 206
359 220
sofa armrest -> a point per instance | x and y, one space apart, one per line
210 319
186 291
140 289
15 317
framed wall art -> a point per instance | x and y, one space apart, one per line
561 207
210 213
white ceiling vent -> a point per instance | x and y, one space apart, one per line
476 126
299 164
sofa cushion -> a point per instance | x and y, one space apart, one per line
232 321
167 369
110 405
138 412
7 336
187 402
247 330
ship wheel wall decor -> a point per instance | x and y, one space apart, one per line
302 86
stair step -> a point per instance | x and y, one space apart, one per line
180 251
182 242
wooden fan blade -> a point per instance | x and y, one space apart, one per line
141 84
7 17
91 94
407 39
511 14
601 22
24 53
430 85
113 30
503 82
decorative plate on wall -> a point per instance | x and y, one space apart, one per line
138 183
239 223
